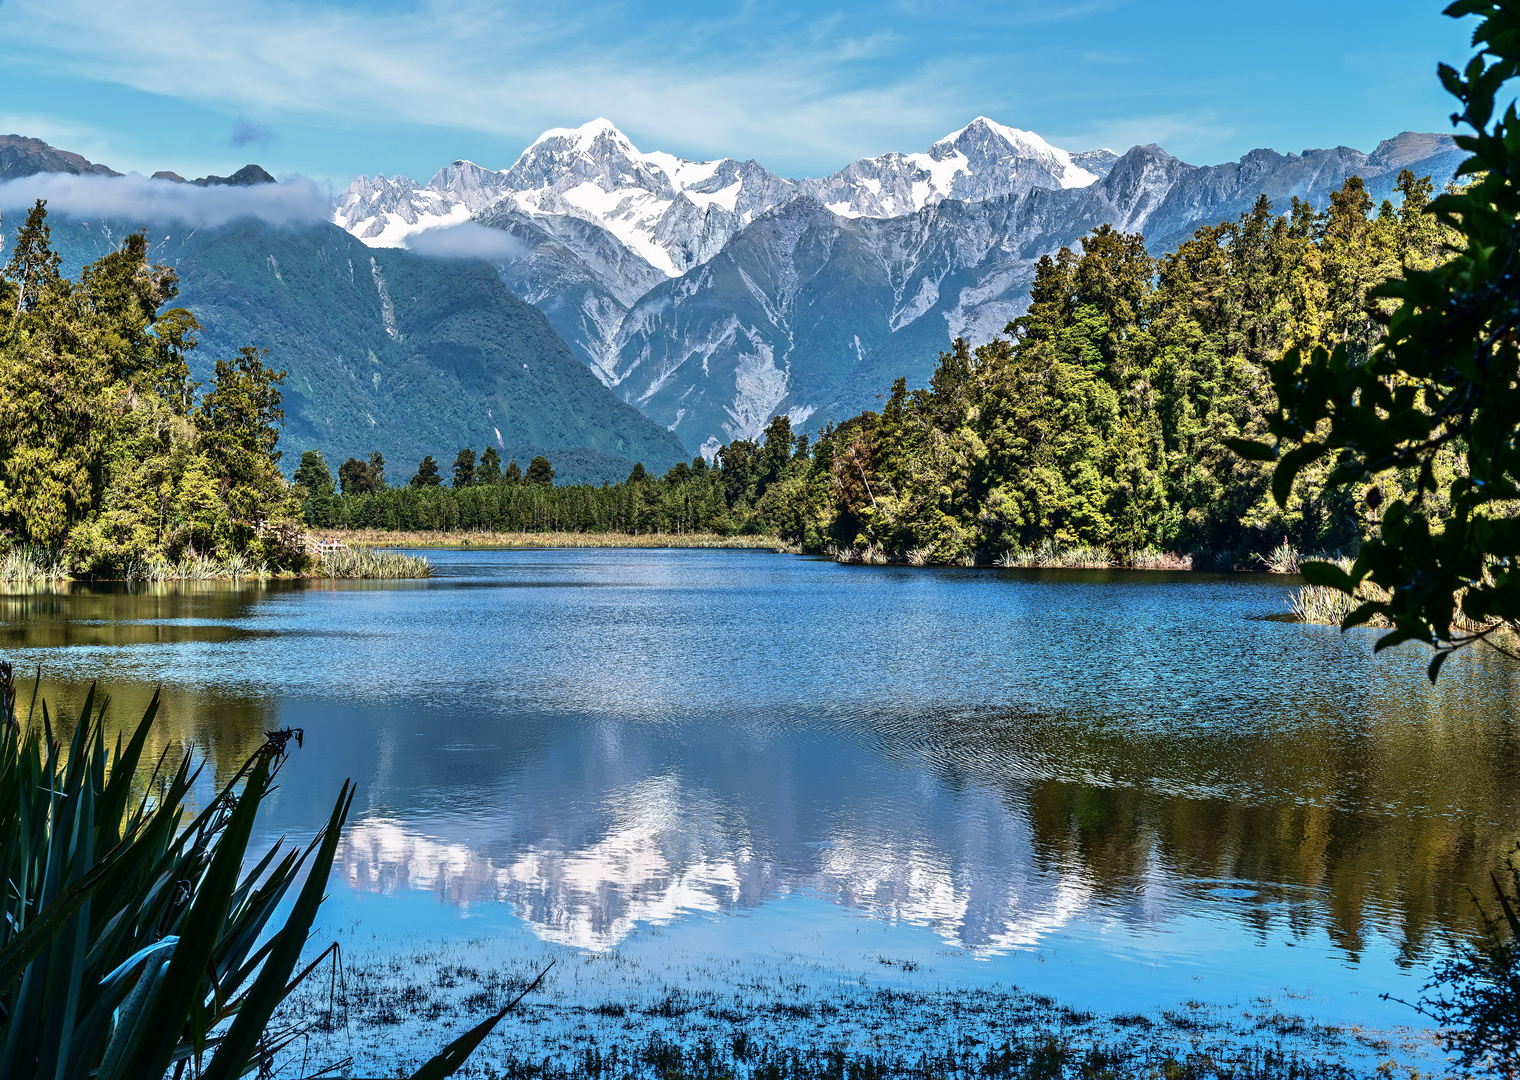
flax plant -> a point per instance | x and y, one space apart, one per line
137 941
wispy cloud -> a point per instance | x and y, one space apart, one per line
135 198
245 131
509 69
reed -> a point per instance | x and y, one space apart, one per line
1324 606
1052 555
1283 559
26 564
369 563
486 539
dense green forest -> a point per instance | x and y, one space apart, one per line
111 457
1100 421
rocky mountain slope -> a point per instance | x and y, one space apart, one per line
21 156
713 295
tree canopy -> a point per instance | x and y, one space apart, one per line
1423 428
105 451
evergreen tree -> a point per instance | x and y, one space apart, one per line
376 466
540 472
353 476
637 475
489 470
101 440
313 473
464 468
513 474
427 474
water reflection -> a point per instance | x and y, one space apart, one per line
602 742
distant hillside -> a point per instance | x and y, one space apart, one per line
389 351
21 156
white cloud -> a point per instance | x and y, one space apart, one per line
135 198
466 240
509 69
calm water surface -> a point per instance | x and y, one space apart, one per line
1125 790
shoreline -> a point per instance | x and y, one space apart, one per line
459 539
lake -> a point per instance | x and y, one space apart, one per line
733 777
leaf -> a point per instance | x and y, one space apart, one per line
1289 467
1327 574
1252 450
451 1057
269 988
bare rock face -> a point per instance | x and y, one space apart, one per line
247 176
21 156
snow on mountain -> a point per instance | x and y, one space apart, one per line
675 214
982 160
670 212
713 295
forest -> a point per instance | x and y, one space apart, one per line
113 461
1100 422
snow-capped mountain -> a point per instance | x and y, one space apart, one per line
982 160
669 212
713 295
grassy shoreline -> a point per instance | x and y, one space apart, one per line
42 567
474 539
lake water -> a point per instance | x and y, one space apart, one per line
696 772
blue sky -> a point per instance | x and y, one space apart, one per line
330 90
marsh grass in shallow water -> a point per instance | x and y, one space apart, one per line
366 562
25 565
486 539
610 1016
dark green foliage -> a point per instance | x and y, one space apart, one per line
464 468
363 477
1424 426
313 482
313 474
1474 997
389 350
129 934
427 474
103 447
134 941
540 472
513 473
489 469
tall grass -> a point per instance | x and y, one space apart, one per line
365 562
1325 606
1050 555
134 938
26 564
486 538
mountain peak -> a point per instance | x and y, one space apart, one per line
247 176
23 156
582 138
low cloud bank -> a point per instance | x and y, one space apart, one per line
135 198
467 240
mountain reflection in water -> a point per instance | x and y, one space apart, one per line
601 742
